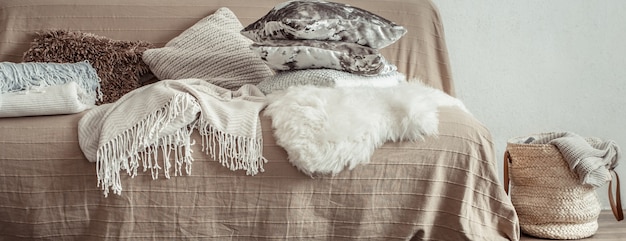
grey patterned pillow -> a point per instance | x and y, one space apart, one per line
327 78
314 54
321 20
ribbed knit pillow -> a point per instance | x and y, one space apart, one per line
327 78
213 50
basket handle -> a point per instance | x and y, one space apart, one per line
507 159
616 204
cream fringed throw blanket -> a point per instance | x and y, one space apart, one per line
128 133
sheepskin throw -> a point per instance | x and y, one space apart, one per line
213 50
117 62
129 132
325 130
591 158
67 98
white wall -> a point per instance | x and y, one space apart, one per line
524 67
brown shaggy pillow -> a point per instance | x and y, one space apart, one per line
118 63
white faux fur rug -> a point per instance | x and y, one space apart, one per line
325 130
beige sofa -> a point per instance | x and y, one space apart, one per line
442 188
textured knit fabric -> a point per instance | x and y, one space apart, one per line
213 50
591 158
162 116
24 76
327 78
67 98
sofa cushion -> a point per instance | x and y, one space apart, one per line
327 78
118 63
321 20
213 50
314 54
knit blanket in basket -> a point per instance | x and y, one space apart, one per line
591 158
130 132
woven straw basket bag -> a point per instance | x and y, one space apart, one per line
548 197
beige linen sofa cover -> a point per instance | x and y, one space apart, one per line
442 188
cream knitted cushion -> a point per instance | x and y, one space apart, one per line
327 78
213 50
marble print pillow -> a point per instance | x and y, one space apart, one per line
321 20
313 54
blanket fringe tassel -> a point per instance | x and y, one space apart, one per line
233 152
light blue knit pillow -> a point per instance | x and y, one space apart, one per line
16 77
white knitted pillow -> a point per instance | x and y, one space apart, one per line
327 78
213 50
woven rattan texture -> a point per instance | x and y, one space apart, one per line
547 196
